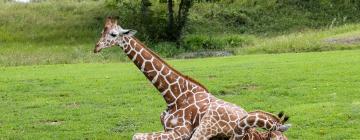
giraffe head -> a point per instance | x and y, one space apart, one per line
112 34
265 119
280 119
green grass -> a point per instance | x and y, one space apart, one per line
320 91
51 22
96 99
306 41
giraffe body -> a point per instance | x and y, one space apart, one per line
187 100
214 123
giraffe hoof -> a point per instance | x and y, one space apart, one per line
138 136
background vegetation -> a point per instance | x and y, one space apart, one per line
68 29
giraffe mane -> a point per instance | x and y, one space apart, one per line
157 56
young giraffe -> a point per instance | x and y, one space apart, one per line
265 120
210 125
187 100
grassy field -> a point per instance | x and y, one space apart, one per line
53 87
345 37
320 91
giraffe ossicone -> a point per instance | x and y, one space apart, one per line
187 100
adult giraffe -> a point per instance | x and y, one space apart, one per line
187 100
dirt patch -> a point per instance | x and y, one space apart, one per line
248 87
52 122
344 40
236 89
73 105
212 77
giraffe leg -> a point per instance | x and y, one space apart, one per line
253 134
273 135
162 118
179 133
207 128
203 132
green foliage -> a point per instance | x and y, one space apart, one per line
340 38
14 54
52 22
265 17
166 49
53 32
152 27
221 42
319 91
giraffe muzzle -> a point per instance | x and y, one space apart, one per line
97 49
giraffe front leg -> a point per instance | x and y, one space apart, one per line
273 135
146 136
162 118
206 129
179 133
202 133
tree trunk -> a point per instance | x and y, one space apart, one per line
171 23
182 16
145 11
175 26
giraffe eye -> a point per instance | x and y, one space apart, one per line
112 34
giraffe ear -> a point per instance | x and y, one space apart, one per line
129 32
114 21
108 21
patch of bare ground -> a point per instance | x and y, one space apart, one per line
73 105
248 86
202 54
239 88
52 122
344 40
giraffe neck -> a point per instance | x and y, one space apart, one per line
167 80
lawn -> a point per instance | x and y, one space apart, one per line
320 91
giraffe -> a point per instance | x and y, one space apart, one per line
210 126
187 100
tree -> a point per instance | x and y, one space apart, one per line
170 31
175 26
157 27
146 14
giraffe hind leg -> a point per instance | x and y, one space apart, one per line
179 133
203 132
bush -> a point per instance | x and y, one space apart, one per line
222 42
166 49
